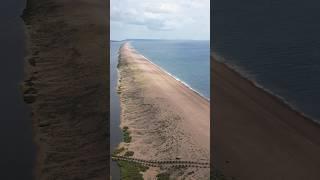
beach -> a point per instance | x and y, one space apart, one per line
166 120
66 86
258 136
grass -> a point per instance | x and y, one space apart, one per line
129 153
118 151
163 176
126 135
130 170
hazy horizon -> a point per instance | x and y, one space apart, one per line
160 39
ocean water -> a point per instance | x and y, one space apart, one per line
188 61
276 44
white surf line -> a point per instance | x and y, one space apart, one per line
255 83
176 78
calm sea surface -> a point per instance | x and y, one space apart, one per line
275 43
187 60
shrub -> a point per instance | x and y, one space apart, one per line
126 135
118 151
129 153
131 170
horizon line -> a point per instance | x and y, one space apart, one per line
128 39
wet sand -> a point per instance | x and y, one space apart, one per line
165 118
257 136
66 86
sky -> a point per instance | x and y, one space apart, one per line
160 19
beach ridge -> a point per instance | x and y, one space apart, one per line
254 127
176 78
66 86
313 124
262 88
161 127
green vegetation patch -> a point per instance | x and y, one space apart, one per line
163 176
129 153
131 170
118 151
126 135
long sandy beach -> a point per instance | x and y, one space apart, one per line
166 119
257 136
66 85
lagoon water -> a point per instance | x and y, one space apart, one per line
276 44
115 131
18 151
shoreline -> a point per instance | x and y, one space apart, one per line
274 96
115 130
173 76
283 139
66 88
144 96
279 98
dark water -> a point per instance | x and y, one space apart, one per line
276 43
115 131
186 60
17 152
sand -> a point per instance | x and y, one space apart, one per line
166 119
256 136
66 85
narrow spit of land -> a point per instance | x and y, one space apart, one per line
66 85
257 136
162 118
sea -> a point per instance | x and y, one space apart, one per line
187 61
276 44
